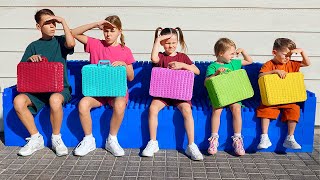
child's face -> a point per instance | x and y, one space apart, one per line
282 56
111 35
170 45
227 55
47 26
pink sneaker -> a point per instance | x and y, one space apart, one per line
213 145
238 145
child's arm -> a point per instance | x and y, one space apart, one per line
246 58
220 70
129 69
181 65
78 32
155 48
70 42
281 73
305 59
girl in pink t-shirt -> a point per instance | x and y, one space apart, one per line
168 38
119 55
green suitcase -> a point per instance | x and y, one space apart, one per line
228 88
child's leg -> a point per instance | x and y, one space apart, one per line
56 112
237 126
215 120
265 125
237 120
186 112
154 109
21 103
119 106
85 105
192 149
291 127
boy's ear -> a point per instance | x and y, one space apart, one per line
274 52
38 26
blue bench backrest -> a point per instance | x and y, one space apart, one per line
139 87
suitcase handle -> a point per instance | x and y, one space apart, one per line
104 62
225 72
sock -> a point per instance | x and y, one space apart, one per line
35 135
88 136
56 136
237 135
290 137
264 135
216 135
111 137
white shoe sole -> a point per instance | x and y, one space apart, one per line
79 154
265 147
150 155
289 147
28 154
189 154
116 155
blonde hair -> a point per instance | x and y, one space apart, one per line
222 45
175 31
281 43
115 20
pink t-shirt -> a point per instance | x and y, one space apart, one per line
100 51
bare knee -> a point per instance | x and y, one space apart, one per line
84 106
120 105
153 110
20 102
56 101
186 110
235 108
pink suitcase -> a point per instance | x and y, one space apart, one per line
173 84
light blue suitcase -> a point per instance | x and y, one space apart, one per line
104 80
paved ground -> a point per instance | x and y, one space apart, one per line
167 164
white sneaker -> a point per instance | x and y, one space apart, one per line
33 145
151 148
264 142
291 144
114 147
193 152
85 146
59 147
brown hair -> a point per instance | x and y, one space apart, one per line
41 12
281 43
174 31
222 45
115 20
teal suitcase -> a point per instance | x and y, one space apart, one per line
104 80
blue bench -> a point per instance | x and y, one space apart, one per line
134 132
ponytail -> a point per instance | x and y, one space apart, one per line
181 39
156 33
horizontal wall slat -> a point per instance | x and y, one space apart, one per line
197 42
148 18
166 3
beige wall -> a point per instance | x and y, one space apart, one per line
253 25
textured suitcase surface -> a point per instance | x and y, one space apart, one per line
275 90
102 79
173 84
228 88
40 77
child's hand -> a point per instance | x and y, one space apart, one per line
176 65
164 37
220 70
118 63
239 50
57 19
296 51
35 58
104 24
282 74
